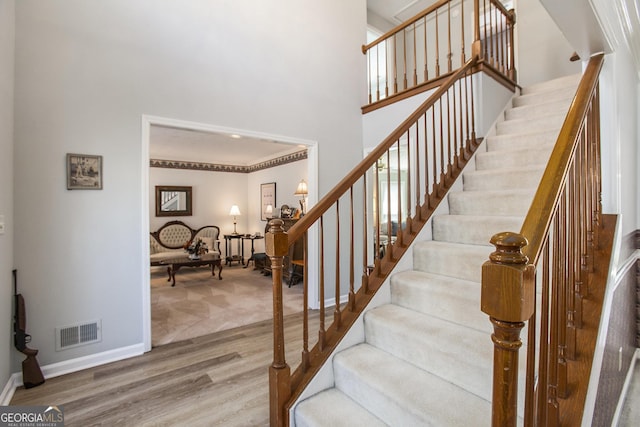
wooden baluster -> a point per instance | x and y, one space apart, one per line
386 70
404 59
417 195
426 61
577 253
508 297
501 40
435 151
322 332
571 314
463 58
456 158
512 67
473 112
442 169
491 35
378 72
389 245
485 55
415 57
466 115
399 198
476 47
559 283
352 294
305 306
395 64
449 148
427 184
449 54
408 205
276 247
543 375
437 46
552 353
365 234
337 317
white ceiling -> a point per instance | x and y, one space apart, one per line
397 11
170 143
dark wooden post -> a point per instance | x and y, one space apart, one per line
276 246
512 50
508 297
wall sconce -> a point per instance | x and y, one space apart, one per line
234 212
302 191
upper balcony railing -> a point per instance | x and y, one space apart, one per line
416 55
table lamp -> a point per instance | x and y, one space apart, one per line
302 191
234 212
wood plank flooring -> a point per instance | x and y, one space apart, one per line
219 379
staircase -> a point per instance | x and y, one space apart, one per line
427 355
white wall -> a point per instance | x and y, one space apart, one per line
542 52
88 70
7 21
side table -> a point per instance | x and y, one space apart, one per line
230 257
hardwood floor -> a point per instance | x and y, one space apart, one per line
220 379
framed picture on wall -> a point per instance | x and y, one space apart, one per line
267 200
84 172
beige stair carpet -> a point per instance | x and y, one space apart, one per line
427 356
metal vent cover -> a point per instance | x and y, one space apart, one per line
77 335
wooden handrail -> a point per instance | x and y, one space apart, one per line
365 164
430 148
557 243
413 56
538 220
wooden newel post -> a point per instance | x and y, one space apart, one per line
276 247
508 297
476 46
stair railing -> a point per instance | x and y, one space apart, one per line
552 256
366 223
422 51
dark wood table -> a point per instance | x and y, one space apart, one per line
174 264
252 238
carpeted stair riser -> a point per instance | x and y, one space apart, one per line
401 394
505 179
428 354
472 229
440 296
334 408
513 158
528 125
534 111
551 85
542 97
500 203
522 141
450 259
434 345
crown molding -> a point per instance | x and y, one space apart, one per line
214 167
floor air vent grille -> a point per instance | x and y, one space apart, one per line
76 335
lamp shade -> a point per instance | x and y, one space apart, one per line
302 189
268 210
235 211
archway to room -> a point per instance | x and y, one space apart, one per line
223 167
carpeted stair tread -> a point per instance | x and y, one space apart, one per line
333 408
512 158
491 202
540 97
473 229
450 259
534 111
402 394
571 80
525 125
434 345
507 178
456 300
520 141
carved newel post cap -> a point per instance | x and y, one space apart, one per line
508 248
276 239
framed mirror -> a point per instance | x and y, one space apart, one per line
173 201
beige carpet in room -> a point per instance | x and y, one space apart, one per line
200 304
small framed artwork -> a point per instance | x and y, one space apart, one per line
84 172
267 200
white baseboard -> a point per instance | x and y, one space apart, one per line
625 388
14 382
73 365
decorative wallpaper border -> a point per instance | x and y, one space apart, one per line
214 167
